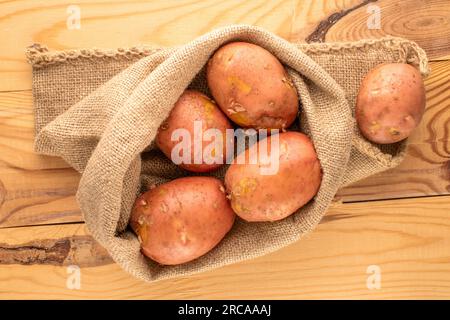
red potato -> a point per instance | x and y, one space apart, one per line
194 106
390 103
182 220
257 197
252 87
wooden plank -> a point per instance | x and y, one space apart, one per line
425 22
408 240
119 23
37 189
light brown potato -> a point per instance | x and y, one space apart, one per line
182 220
257 197
390 103
194 106
252 87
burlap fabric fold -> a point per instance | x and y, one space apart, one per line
100 111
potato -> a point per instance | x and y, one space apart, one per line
271 197
182 220
252 87
390 103
194 106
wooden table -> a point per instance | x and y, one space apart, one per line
393 227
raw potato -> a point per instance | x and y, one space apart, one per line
252 87
182 220
390 103
257 197
192 106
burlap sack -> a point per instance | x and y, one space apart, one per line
100 111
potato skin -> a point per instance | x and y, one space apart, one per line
182 220
252 87
256 197
390 103
191 106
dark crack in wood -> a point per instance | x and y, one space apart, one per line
2 193
335 217
318 35
82 251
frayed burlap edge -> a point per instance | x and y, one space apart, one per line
39 56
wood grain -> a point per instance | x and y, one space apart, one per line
426 22
309 14
37 189
408 240
121 23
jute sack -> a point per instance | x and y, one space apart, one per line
100 111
